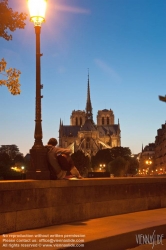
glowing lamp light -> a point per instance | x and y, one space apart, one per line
37 9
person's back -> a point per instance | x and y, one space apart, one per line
55 169
60 161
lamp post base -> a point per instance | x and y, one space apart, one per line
38 169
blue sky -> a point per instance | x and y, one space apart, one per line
122 42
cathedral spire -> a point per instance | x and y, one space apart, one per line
60 125
89 114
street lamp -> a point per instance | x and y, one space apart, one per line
102 166
148 162
37 9
38 167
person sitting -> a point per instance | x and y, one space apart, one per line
60 162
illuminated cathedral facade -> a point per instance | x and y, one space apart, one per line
86 135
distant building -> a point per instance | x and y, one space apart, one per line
146 159
160 150
83 134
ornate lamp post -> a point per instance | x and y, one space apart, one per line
38 167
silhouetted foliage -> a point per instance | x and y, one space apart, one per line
5 160
5 163
103 156
81 162
11 150
124 152
118 166
10 157
133 166
19 158
10 20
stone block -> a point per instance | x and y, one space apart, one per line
7 201
163 201
154 202
101 193
122 192
98 209
42 197
154 189
89 194
63 196
24 199
163 189
132 191
137 204
7 222
78 194
127 206
69 213
34 218
13 200
144 189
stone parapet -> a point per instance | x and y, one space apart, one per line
31 204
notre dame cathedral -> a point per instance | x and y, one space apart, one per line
83 134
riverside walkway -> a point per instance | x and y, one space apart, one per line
119 232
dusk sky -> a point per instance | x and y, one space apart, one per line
122 42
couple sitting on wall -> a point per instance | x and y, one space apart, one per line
61 164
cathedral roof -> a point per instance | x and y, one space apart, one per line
70 130
108 129
88 126
105 110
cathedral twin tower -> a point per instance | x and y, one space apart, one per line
83 134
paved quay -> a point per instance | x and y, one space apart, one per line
151 247
120 232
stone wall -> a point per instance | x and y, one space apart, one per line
31 204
